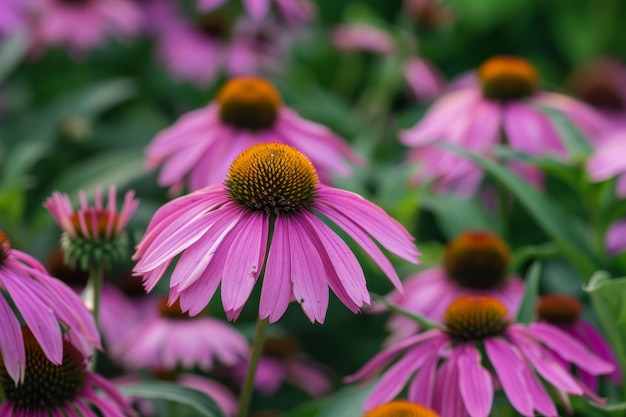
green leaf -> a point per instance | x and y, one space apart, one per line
526 311
12 50
564 230
576 143
160 390
96 98
20 160
347 402
607 296
457 214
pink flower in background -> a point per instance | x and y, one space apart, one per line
282 361
13 14
222 396
171 339
474 263
217 43
198 149
47 306
564 312
292 11
500 104
444 366
82 25
425 81
222 234
431 14
66 388
615 240
362 37
602 84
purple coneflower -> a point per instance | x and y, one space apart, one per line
446 364
82 25
58 388
264 217
564 312
283 361
51 310
92 234
402 408
474 263
171 338
500 103
292 11
198 149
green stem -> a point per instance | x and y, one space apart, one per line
423 321
93 293
255 355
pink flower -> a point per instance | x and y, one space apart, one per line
425 81
198 149
292 11
615 240
51 310
65 388
171 339
474 263
282 361
362 37
564 312
446 365
82 25
499 103
200 51
607 161
223 235
13 14
222 396
92 233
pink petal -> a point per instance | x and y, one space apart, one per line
257 8
474 383
11 343
530 131
276 291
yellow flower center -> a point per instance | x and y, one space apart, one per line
45 385
99 217
272 177
507 78
558 308
5 247
475 318
249 103
400 408
477 260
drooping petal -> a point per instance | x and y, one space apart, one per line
474 383
11 343
276 291
530 131
422 388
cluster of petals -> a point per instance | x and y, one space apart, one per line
165 343
292 11
198 149
430 291
50 309
223 242
97 396
60 207
13 14
463 117
448 375
83 25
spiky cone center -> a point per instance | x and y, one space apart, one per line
46 385
173 311
558 308
272 177
477 260
83 253
5 247
249 103
96 221
507 78
475 318
281 347
400 408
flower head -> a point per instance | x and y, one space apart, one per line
171 339
446 364
498 103
564 312
474 263
265 217
83 25
400 408
283 361
198 149
51 311
64 388
292 11
92 234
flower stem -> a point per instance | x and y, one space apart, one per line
92 295
255 355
